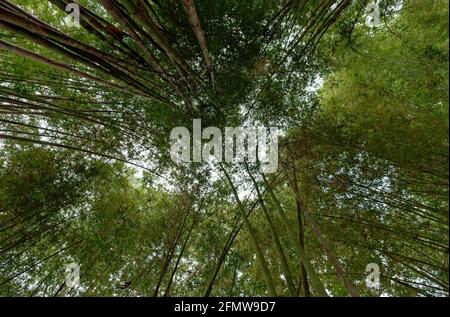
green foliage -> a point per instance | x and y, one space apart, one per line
86 175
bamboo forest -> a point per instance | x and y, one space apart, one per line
224 148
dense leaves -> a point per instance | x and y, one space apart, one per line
85 169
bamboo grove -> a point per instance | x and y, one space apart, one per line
86 176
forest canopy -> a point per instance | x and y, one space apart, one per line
91 90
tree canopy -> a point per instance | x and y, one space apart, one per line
86 175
